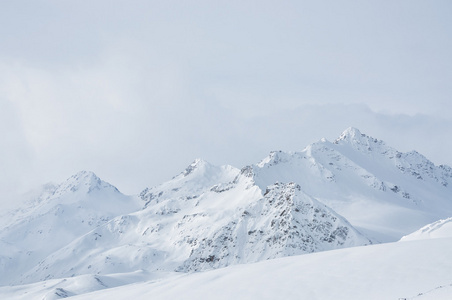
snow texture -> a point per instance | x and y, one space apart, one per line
409 270
438 229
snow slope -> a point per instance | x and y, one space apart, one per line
67 287
388 271
410 270
438 229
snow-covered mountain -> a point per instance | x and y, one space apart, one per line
384 193
354 191
60 214
206 217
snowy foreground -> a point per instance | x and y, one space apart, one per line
420 269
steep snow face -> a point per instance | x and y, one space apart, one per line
438 229
188 225
60 214
381 191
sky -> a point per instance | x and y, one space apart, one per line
136 90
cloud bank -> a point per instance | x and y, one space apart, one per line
135 91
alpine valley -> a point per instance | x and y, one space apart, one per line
349 219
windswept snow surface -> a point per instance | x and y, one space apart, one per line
409 270
438 229
68 287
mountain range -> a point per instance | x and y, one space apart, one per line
355 191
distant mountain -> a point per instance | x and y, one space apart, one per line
60 214
351 192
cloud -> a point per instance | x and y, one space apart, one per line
135 91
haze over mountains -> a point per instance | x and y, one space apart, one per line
355 191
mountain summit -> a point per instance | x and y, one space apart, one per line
85 182
349 134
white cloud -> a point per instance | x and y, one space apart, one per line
135 91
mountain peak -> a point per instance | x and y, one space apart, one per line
196 164
351 133
274 158
84 177
360 141
85 174
85 181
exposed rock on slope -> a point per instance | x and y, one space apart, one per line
284 222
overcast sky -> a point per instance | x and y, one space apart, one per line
136 90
